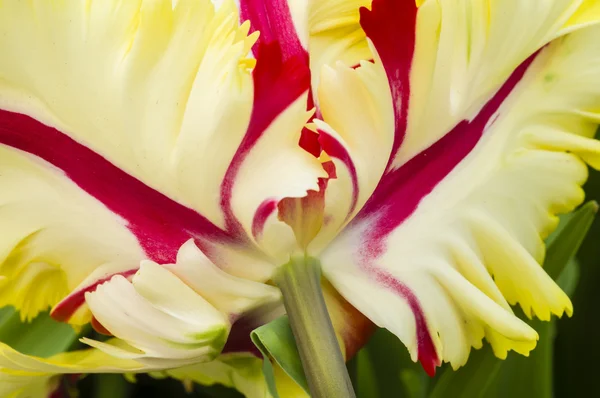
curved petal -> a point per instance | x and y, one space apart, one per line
229 294
158 315
27 386
335 35
73 362
255 181
463 52
128 103
358 137
47 247
454 236
174 314
160 85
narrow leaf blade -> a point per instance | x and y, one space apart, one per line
275 340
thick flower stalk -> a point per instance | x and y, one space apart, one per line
160 161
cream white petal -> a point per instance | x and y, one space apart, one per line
159 315
47 247
149 86
440 263
357 136
229 294
464 50
143 125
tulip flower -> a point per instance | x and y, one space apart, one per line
171 175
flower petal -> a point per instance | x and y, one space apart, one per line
47 248
335 35
159 85
229 294
454 235
255 181
117 57
176 313
158 315
130 102
26 386
462 53
358 137
35 377
73 362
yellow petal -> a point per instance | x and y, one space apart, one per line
587 14
47 247
26 386
336 35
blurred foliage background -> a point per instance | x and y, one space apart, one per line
563 365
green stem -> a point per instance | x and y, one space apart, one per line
322 360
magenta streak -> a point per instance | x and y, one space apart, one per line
400 191
281 76
160 224
391 26
425 348
263 212
273 20
335 149
67 307
277 84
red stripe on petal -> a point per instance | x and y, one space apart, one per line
400 191
309 141
264 211
273 20
425 348
278 82
391 27
336 150
160 224
64 310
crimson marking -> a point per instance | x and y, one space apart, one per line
277 84
391 26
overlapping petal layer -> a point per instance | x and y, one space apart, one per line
29 377
490 141
127 130
454 149
335 34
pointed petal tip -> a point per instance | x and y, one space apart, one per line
428 356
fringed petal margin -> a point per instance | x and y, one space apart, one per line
453 234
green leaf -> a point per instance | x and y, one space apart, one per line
533 376
569 278
569 238
577 345
42 337
472 380
111 386
383 368
365 378
275 340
